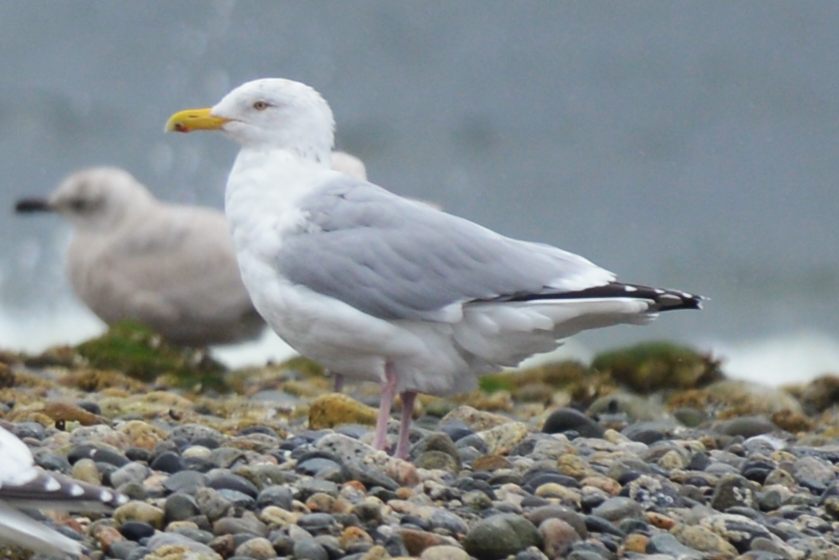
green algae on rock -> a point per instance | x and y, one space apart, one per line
653 366
141 353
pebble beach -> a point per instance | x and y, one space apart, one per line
650 451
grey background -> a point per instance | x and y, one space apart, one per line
684 144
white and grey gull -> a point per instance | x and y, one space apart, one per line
382 288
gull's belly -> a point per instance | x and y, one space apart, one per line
322 328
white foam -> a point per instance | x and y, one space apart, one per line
795 357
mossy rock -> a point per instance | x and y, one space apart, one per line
141 353
653 366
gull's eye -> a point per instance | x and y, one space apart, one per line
260 105
78 204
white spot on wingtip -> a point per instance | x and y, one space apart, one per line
659 291
106 496
76 490
630 288
51 484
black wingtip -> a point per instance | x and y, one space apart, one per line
665 299
31 205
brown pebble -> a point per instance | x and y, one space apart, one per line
491 463
353 535
660 521
636 542
320 502
558 536
106 536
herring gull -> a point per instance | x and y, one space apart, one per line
24 485
386 289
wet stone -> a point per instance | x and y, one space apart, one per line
501 535
569 419
616 509
733 490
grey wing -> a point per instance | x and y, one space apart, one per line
398 259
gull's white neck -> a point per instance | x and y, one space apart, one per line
263 192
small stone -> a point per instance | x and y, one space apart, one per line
351 536
310 549
248 523
180 506
477 420
212 504
665 543
570 419
733 490
438 460
444 552
490 463
703 540
140 511
575 466
618 508
558 536
502 439
636 542
335 409
86 471
499 536
259 548
660 520
417 541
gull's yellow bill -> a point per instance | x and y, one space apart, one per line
194 119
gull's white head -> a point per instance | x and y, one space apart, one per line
94 200
268 114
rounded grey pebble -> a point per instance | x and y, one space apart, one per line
665 543
475 441
368 475
122 549
197 535
187 482
317 523
230 481
259 548
32 430
456 429
554 511
53 462
211 503
308 487
565 419
448 521
597 524
310 549
238 499
180 506
240 525
138 553
747 426
618 508
733 490
499 536
279 496
585 555
131 472
437 460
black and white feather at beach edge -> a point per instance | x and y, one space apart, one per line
23 485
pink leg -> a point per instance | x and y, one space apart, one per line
388 393
339 381
408 398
